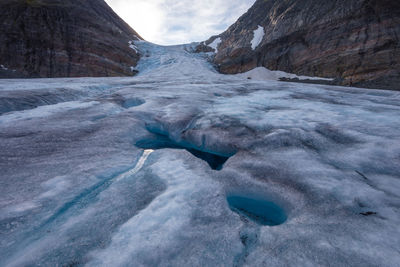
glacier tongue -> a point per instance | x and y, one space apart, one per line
78 189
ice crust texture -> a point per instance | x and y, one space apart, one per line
77 189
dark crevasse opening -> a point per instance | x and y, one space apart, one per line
132 102
216 162
160 141
260 211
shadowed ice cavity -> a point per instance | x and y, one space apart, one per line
132 102
159 141
260 211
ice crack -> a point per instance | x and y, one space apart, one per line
138 166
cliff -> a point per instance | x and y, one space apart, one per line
70 38
356 42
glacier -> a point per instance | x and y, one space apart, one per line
178 165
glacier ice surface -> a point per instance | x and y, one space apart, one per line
80 183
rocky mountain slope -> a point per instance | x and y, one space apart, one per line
68 38
355 41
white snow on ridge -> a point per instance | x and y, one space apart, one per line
214 45
3 67
133 46
258 37
264 74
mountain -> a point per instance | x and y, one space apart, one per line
64 38
354 41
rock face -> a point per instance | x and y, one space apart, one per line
64 38
355 41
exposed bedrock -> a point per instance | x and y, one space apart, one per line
43 38
356 42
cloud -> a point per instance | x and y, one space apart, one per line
179 21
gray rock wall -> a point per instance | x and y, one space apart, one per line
70 38
355 41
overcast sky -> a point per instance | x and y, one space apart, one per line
179 21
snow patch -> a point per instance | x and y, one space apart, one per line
3 67
133 46
214 45
258 37
17 209
264 74
54 187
